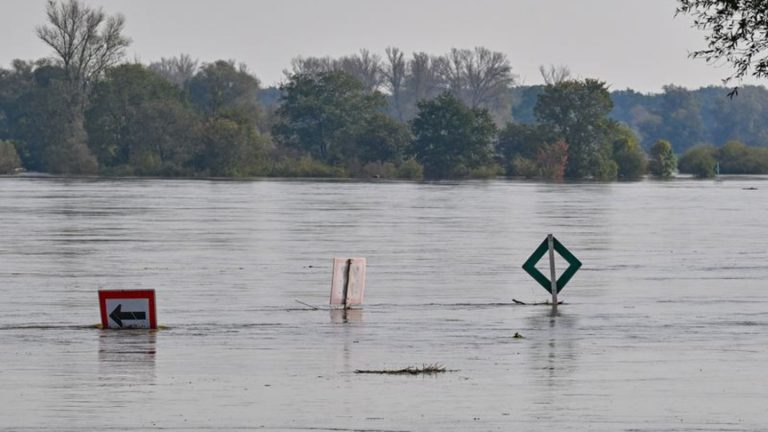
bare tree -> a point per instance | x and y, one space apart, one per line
424 80
554 74
86 41
366 67
394 72
310 65
487 76
178 70
451 69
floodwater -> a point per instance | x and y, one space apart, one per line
665 328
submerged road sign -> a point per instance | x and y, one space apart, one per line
573 267
127 309
348 282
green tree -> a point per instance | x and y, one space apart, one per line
451 139
323 114
662 162
700 161
128 106
520 146
741 118
737 33
232 147
577 111
680 115
222 85
383 139
631 161
167 140
53 135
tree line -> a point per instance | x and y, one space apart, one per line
457 115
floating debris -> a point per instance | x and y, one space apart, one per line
545 303
425 369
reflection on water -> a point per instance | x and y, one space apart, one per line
554 351
662 328
134 347
343 316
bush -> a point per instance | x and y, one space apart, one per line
737 158
523 167
486 171
410 170
663 160
699 161
304 166
9 158
631 162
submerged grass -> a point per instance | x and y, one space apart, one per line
425 369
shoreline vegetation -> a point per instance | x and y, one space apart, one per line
460 115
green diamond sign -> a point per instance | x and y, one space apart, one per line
573 267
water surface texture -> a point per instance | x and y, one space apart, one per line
665 328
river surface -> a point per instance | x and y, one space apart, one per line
665 328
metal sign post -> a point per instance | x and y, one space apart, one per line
552 272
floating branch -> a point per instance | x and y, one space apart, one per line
425 369
545 303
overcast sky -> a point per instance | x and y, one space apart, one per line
628 43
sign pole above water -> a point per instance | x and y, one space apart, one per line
552 284
348 282
128 309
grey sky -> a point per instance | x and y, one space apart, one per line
628 43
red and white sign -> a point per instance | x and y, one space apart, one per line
348 282
127 309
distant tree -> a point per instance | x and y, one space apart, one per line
365 67
15 86
310 66
577 111
662 161
9 158
699 160
523 100
423 81
742 118
86 42
222 85
451 139
232 147
177 70
395 71
167 140
554 74
323 114
680 115
129 104
737 32
383 139
50 128
480 78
